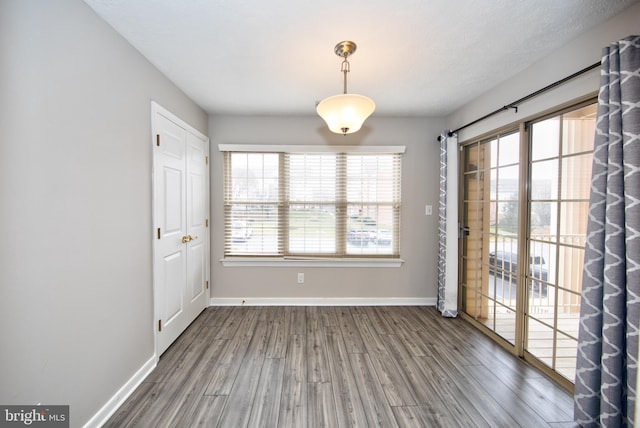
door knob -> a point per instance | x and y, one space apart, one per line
188 238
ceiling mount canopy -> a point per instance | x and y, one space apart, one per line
345 113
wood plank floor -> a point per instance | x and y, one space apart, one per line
340 367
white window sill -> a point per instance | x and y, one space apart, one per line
284 262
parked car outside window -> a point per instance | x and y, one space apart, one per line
508 262
381 237
241 232
359 237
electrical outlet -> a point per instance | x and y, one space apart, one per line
428 210
300 278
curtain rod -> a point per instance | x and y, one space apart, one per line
514 105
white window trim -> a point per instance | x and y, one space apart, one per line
302 262
270 148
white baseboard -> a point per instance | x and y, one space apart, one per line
323 301
123 393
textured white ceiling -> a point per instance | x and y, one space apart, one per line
414 57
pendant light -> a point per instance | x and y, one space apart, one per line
345 113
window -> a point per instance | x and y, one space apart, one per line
299 203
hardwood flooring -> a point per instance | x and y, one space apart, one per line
340 367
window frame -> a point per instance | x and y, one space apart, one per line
331 260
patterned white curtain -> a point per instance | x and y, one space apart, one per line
448 226
605 389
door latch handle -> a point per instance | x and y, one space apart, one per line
186 239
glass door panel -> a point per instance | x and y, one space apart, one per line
490 244
474 284
558 203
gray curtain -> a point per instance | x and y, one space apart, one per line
447 302
605 384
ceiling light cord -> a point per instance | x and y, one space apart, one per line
345 68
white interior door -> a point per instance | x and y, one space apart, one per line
181 244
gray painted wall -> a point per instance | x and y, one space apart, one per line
76 309
420 182
579 53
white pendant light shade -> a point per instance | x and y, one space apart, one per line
345 113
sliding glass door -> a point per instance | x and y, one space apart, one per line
524 202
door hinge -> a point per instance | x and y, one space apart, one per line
207 284
159 325
157 139
206 222
206 160
158 233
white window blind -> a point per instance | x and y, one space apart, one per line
312 204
